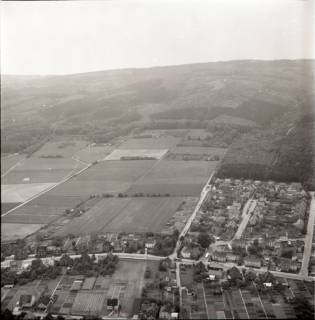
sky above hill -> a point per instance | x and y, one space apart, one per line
61 37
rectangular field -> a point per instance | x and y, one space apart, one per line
43 209
9 161
131 275
150 143
62 148
93 153
181 178
35 170
88 303
12 231
6 206
124 214
105 177
198 150
119 154
13 193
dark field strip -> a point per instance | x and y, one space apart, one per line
29 219
6 206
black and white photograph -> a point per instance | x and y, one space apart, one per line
157 159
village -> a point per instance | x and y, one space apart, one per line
252 223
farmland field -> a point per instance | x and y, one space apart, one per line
124 214
35 170
150 143
88 303
105 177
118 154
10 161
182 178
62 148
33 214
12 231
93 153
13 193
6 206
199 150
43 209
178 133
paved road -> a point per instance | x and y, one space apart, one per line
136 256
203 195
247 210
308 238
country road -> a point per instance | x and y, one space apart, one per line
308 238
203 195
137 256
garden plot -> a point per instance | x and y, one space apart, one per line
88 303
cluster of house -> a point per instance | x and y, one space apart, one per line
219 215
150 310
180 217
281 209
32 299
164 307
221 211
110 242
270 254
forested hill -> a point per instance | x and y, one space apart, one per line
285 151
102 105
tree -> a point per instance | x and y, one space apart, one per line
7 315
176 234
204 240
58 241
39 237
49 317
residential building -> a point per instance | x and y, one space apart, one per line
252 261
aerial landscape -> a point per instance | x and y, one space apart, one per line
183 191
